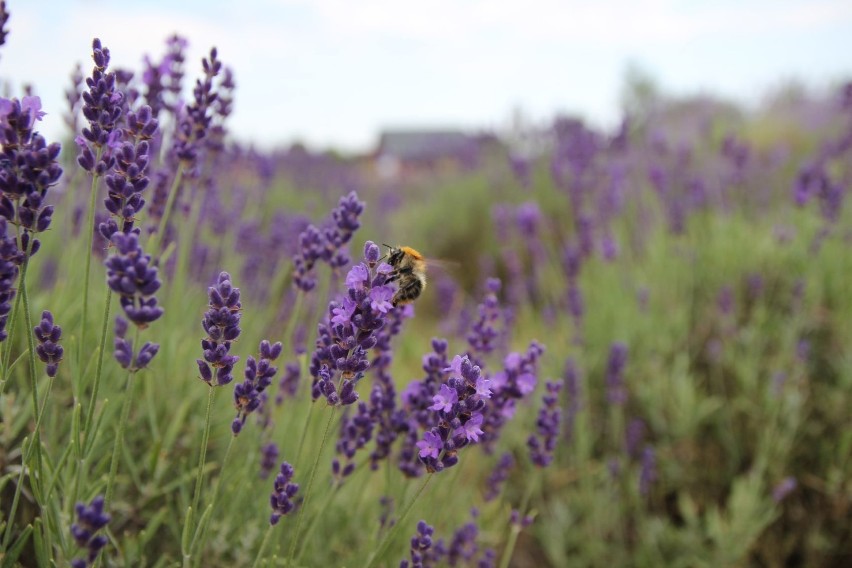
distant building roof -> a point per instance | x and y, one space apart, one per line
424 144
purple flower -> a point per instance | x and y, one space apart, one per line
128 179
458 415
616 391
194 121
10 258
499 476
283 493
28 168
221 322
648 472
431 445
515 382
783 488
268 459
288 385
420 544
328 244
350 330
485 332
48 348
248 395
102 108
133 276
123 349
471 430
90 520
543 443
445 399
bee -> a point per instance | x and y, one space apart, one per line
409 270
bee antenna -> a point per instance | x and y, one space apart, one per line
387 245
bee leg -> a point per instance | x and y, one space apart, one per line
408 293
393 276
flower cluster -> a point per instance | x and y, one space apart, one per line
90 520
259 374
514 382
648 472
379 417
10 258
163 80
128 179
48 348
222 324
284 490
327 245
124 349
458 407
195 120
268 458
420 545
616 392
499 476
485 333
543 442
102 107
133 276
288 385
350 330
416 400
28 168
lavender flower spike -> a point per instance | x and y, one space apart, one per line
248 395
420 545
48 348
90 520
132 275
616 391
543 443
222 324
340 358
102 107
283 493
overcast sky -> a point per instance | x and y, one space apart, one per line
335 72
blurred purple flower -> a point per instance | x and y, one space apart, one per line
48 348
543 443
90 520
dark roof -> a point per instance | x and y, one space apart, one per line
424 144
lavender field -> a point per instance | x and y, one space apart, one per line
634 351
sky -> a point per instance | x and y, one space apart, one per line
334 73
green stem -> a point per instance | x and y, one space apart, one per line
262 547
202 457
122 425
34 480
301 512
297 461
516 528
90 230
390 534
90 412
156 239
203 537
185 246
